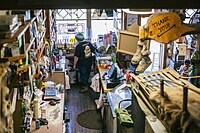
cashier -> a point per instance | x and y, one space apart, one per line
185 68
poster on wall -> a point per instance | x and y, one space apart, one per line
131 19
70 28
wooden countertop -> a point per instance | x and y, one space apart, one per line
103 83
54 115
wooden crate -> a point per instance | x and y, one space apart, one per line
181 95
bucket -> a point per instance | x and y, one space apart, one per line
92 73
72 76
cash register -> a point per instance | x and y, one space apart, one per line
111 77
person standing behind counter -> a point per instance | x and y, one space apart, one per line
83 59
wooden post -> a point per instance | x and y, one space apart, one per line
165 56
162 87
89 24
185 98
198 43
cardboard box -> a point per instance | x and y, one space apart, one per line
182 49
127 42
11 50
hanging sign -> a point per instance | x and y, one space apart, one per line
164 27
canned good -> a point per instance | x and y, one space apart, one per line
37 123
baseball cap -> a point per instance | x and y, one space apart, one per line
79 37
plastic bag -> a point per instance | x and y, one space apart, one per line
95 83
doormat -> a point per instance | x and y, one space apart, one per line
90 119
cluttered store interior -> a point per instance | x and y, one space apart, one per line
143 74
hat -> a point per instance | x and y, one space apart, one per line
79 37
187 61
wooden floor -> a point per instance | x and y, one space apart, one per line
77 103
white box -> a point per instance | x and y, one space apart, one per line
182 49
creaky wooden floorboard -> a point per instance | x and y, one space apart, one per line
77 103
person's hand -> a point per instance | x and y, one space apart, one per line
74 67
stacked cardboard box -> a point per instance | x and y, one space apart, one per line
8 25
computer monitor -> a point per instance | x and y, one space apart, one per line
112 73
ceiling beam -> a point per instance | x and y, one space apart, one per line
98 4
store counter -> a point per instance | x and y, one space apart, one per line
140 114
109 116
102 81
54 116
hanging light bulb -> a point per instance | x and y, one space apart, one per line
95 15
104 15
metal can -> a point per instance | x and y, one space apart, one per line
37 123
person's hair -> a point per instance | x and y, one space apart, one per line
187 61
79 37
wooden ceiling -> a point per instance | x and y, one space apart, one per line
99 4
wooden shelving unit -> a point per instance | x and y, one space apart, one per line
15 58
28 38
24 69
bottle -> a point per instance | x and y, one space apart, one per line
37 123
20 63
114 59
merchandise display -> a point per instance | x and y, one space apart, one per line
172 99
38 67
28 52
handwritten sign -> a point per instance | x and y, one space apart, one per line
164 27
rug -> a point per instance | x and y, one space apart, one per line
90 119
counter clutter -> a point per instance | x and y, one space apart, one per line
25 65
32 100
172 99
171 102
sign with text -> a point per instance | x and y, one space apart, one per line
164 27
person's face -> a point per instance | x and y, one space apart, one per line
187 64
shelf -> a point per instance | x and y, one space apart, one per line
16 35
25 68
15 58
31 42
35 76
42 50
43 35
21 31
33 19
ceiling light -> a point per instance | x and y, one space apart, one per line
139 11
104 15
95 15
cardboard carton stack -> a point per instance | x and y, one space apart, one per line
8 25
